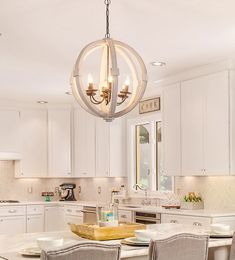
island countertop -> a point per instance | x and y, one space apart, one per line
11 245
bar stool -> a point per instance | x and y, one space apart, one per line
180 247
82 251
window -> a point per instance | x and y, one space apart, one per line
146 156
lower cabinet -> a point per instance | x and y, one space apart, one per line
54 218
11 225
35 223
125 215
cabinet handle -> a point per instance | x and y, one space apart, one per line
198 224
12 211
84 173
174 221
123 216
1 220
69 173
78 211
69 210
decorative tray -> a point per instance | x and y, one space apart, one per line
94 232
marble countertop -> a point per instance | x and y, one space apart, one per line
150 209
11 245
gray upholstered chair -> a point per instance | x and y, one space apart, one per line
232 250
82 251
180 247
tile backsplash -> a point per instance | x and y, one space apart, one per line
19 189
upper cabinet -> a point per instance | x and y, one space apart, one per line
205 125
10 134
59 142
171 130
196 126
99 147
83 144
34 143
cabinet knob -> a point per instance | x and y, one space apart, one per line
84 173
198 224
11 210
69 173
123 216
174 221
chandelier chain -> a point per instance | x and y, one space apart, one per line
107 3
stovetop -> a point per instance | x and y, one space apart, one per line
9 201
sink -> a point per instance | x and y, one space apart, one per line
131 207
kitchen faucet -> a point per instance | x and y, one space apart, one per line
146 201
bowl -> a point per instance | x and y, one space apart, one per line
219 228
49 242
144 235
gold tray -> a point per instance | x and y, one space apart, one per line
94 232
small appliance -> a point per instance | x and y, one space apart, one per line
67 192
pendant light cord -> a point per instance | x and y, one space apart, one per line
107 3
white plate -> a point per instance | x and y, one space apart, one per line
134 241
221 235
32 251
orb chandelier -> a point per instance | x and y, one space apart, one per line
109 77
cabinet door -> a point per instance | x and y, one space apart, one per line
102 148
35 223
171 131
118 148
54 218
9 131
34 143
59 142
192 112
13 225
125 216
84 144
216 141
232 121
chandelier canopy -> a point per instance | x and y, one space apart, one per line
109 77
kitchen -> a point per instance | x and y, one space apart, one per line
177 144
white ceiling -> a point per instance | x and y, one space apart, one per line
42 38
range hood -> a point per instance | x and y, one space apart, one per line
9 156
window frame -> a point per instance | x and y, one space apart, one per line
131 155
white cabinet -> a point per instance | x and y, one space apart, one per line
12 219
125 215
35 223
117 148
54 218
205 125
102 148
12 225
171 130
35 218
10 132
73 214
84 144
59 134
34 143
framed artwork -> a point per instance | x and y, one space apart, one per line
149 105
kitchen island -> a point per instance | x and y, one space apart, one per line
11 245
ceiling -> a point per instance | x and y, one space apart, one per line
42 38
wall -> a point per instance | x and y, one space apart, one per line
17 189
218 192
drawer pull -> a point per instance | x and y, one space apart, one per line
12 211
78 211
123 216
69 210
198 224
174 221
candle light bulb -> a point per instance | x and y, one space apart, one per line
89 79
110 79
127 81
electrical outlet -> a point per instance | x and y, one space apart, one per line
79 189
57 190
30 189
99 190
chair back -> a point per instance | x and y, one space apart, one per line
232 250
82 251
180 247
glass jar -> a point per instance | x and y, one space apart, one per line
107 215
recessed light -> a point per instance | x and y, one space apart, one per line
158 63
69 93
42 102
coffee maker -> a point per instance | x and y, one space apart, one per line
67 192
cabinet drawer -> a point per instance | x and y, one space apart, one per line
73 210
186 220
12 210
125 215
35 209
